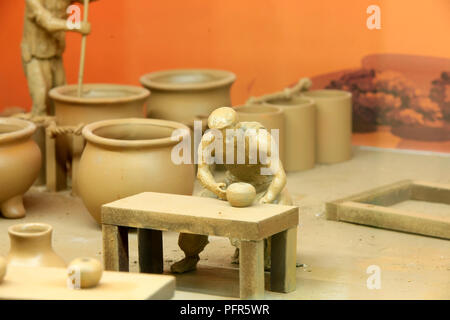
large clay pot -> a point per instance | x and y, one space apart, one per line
300 137
31 246
186 95
20 161
98 102
333 126
271 117
128 156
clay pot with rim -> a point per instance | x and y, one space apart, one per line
185 95
333 124
300 134
20 162
31 246
98 102
271 117
124 157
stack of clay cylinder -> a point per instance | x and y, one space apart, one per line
314 126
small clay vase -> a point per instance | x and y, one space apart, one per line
300 135
271 117
3 268
241 194
20 161
31 246
124 157
333 126
98 102
84 273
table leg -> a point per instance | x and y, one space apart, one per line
283 261
150 247
115 248
251 269
56 178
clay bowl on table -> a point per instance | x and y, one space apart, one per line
185 95
124 157
98 102
20 162
271 117
241 194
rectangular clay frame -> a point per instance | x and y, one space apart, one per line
372 208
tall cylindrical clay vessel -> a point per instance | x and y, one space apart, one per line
333 126
20 161
300 134
124 157
271 117
31 246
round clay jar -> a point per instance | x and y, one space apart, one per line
124 157
89 270
241 194
20 162
3 266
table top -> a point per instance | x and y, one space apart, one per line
199 215
41 283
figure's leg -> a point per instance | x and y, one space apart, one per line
192 245
37 85
13 208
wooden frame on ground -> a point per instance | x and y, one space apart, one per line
372 208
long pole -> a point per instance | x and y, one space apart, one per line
83 50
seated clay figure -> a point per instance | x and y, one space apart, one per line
266 175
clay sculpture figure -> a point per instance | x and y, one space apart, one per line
84 273
124 157
20 161
31 246
267 176
3 268
43 45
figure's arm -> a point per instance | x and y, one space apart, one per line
277 185
45 19
275 167
204 173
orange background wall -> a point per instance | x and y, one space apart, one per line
268 43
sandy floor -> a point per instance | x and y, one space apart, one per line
335 255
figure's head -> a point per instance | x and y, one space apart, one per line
222 118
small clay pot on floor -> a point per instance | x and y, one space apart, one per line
31 246
20 161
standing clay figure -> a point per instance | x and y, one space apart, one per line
43 44
269 184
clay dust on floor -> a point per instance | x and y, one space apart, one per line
334 256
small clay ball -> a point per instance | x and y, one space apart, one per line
241 194
85 272
3 266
